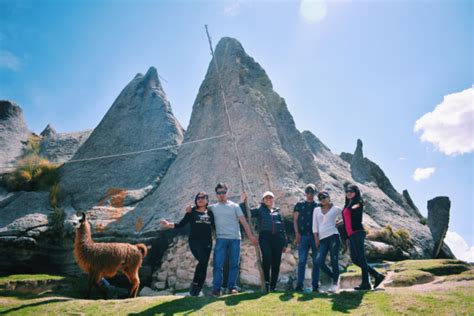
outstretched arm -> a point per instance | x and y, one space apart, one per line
247 229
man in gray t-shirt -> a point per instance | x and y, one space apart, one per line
227 216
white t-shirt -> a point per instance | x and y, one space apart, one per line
325 224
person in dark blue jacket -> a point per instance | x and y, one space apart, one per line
271 237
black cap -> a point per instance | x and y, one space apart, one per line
310 188
322 195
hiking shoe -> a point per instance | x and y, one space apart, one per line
216 293
363 287
267 287
299 288
195 289
378 280
315 289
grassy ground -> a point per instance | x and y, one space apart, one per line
453 301
65 298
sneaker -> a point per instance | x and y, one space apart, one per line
363 287
195 290
378 280
233 291
299 288
216 293
315 289
333 288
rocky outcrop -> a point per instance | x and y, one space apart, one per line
61 147
272 151
140 120
363 170
48 131
438 221
14 133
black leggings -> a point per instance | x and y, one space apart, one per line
271 247
356 243
201 250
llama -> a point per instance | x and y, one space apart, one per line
106 259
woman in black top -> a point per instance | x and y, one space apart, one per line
352 216
271 237
200 237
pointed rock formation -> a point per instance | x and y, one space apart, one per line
140 119
438 221
359 168
61 147
49 131
364 170
273 152
13 132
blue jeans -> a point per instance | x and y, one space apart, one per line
329 244
307 243
231 248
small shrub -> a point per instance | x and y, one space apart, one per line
57 217
422 221
32 145
400 238
33 174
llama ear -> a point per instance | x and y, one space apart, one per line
82 220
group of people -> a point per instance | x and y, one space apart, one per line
315 229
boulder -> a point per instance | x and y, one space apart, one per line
438 221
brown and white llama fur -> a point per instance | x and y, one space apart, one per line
106 259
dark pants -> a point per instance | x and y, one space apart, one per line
356 244
271 246
329 244
201 250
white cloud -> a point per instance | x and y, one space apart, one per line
313 10
9 60
233 8
423 173
459 246
402 158
450 127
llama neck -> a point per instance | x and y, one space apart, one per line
83 234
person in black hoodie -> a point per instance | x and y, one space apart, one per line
352 217
200 237
271 236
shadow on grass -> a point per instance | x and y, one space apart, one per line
192 304
15 309
344 302
286 296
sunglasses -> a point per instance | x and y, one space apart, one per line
221 192
309 192
350 191
204 197
322 197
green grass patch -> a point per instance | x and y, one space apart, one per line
435 266
411 277
29 277
465 276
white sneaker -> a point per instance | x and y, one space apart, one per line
333 288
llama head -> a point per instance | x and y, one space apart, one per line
79 220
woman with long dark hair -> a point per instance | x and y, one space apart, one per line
200 237
352 216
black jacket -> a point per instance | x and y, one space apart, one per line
268 222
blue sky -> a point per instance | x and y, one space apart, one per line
347 69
